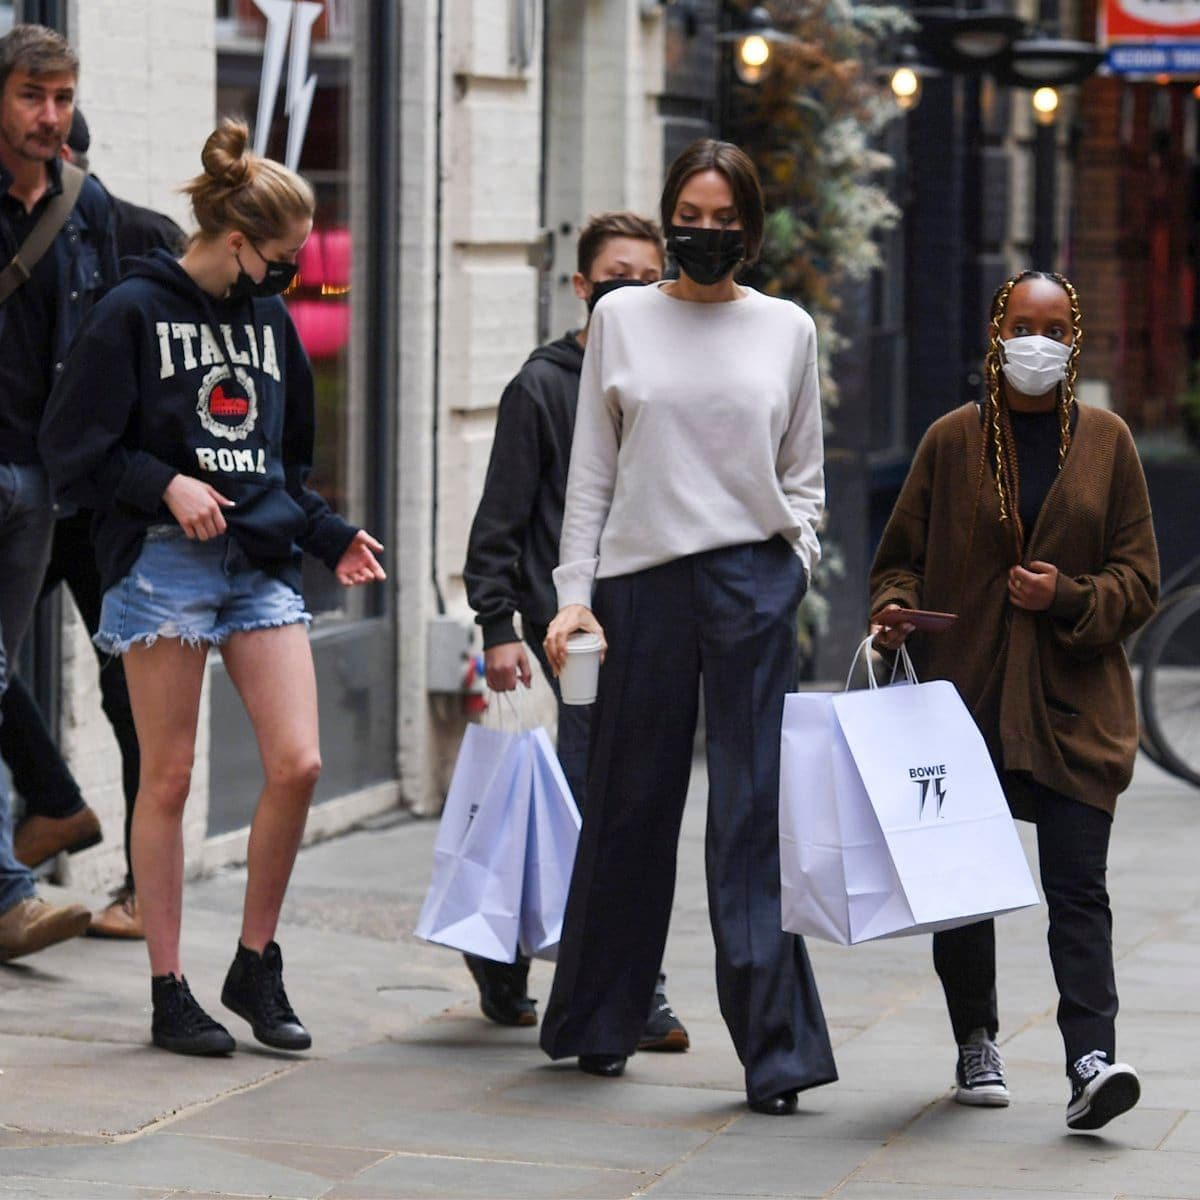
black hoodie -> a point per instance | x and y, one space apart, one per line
513 548
163 380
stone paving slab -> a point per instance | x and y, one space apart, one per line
30 1188
160 1162
1079 1165
414 1177
758 1166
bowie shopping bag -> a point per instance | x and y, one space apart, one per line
474 901
550 846
892 820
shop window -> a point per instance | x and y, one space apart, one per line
307 117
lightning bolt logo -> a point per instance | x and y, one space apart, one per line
284 17
939 793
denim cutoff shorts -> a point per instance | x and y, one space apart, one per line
199 592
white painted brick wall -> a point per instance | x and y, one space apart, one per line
148 88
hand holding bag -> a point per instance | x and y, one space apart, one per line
892 820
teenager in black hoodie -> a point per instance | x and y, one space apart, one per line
184 418
513 549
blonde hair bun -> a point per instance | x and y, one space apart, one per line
224 155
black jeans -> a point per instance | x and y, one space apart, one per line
1073 861
38 770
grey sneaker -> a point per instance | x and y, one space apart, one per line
979 1077
1100 1090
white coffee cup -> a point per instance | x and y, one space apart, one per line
580 675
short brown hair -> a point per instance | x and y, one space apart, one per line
602 228
707 154
36 50
242 190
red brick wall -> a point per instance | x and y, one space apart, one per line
1129 247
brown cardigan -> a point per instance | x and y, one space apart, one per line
1051 691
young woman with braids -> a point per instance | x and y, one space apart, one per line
1028 516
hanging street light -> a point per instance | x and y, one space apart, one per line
754 45
1047 61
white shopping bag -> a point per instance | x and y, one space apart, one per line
891 818
549 851
474 901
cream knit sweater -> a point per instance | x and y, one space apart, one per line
699 426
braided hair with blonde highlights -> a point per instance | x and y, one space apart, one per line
998 444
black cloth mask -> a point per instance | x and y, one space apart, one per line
602 287
706 256
278 279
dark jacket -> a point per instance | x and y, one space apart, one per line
163 380
1050 691
513 547
140 230
85 265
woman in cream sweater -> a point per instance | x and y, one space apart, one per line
695 487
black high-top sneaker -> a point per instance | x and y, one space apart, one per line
179 1023
254 990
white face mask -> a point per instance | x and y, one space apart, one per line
1035 364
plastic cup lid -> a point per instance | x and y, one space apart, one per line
583 643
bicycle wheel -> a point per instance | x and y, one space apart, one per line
1135 650
1170 686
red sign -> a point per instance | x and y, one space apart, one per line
1149 21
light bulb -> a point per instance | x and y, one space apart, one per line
1045 105
906 87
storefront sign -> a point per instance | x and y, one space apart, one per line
296 17
1151 37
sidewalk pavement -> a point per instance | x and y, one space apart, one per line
410 1093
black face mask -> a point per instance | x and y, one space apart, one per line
602 287
278 279
706 256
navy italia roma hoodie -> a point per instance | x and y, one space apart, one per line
513 547
164 380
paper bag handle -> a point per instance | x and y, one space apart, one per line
507 712
864 648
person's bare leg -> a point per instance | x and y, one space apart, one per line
272 670
165 681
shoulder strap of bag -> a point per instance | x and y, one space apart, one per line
41 236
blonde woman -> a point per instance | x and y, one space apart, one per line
1028 516
195 461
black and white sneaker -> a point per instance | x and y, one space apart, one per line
1100 1090
979 1077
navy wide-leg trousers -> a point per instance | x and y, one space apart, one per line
727 618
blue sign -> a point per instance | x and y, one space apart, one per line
1155 58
